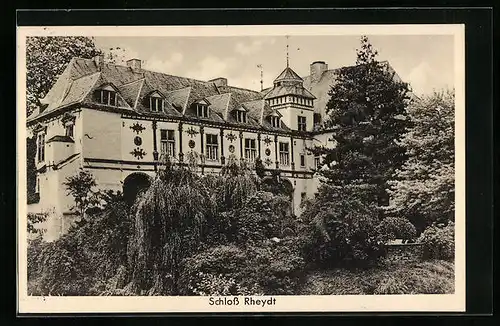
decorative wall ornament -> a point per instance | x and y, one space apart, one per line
268 152
267 140
231 137
268 161
231 149
192 132
191 144
137 127
138 153
138 140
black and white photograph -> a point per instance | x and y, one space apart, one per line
244 169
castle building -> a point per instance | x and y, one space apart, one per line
117 122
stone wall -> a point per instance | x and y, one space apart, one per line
404 252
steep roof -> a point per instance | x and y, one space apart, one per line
320 88
289 90
288 75
82 77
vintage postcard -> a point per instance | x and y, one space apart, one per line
295 168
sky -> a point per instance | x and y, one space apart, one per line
424 61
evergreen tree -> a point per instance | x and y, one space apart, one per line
367 109
424 188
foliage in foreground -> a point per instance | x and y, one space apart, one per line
439 242
426 277
423 189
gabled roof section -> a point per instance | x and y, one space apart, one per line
93 94
220 104
142 104
179 98
255 109
131 91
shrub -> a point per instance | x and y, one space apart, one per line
439 242
254 270
58 268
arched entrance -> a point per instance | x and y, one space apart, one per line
133 184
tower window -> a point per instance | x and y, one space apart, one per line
41 147
108 97
302 160
69 130
301 122
317 161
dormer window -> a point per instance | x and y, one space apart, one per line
275 121
156 104
202 110
108 97
241 116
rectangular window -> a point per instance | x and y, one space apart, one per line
284 154
41 147
303 197
69 130
250 150
302 160
108 97
317 161
241 116
212 147
202 110
37 185
167 140
301 121
156 104
275 121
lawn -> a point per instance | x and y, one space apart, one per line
426 277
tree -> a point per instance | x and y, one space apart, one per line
424 187
82 188
367 110
46 59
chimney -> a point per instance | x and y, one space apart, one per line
99 61
135 64
219 81
317 69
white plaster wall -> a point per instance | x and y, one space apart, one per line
102 135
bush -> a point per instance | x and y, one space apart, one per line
439 242
254 270
429 277
57 268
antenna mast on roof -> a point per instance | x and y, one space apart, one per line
287 60
261 77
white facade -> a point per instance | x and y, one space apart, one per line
113 144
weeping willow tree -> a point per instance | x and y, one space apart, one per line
234 185
177 217
169 225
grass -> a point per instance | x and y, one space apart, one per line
426 277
